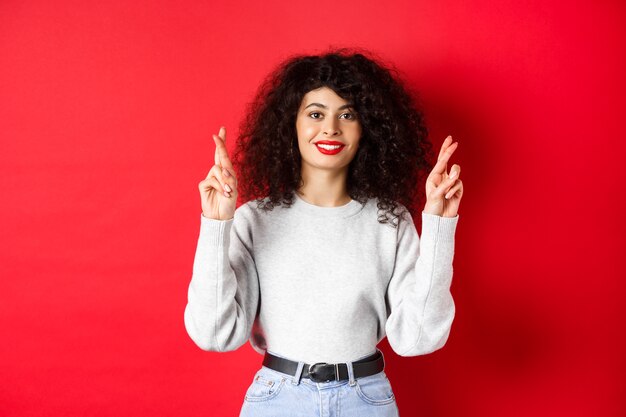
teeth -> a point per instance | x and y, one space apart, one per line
328 147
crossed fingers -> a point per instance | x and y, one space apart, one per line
221 154
223 166
439 181
446 151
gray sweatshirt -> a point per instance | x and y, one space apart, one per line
321 284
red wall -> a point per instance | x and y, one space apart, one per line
106 112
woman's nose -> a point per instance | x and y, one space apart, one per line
330 130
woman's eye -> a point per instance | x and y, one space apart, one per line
318 115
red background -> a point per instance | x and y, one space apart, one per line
106 111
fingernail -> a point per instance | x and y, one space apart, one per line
226 173
227 187
226 194
453 174
448 196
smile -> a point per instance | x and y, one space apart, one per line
329 149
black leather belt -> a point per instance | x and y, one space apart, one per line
325 372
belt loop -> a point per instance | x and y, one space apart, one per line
351 374
296 378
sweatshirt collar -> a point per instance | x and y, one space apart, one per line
346 210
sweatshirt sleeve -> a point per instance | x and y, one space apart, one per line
418 295
223 294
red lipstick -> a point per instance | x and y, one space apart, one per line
332 143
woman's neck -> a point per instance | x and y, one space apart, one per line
324 188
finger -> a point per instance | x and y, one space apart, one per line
454 190
228 181
220 187
445 186
210 183
231 177
455 171
216 171
444 146
223 153
441 165
225 176
212 171
217 154
222 135
438 173
447 141
216 184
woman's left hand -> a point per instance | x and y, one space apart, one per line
444 191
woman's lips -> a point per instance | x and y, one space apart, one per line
330 151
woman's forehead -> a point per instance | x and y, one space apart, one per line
324 97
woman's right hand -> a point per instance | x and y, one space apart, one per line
218 191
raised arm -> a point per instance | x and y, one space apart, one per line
224 289
418 297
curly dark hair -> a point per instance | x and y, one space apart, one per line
393 149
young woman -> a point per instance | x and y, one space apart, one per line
323 259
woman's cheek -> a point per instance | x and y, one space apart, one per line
311 132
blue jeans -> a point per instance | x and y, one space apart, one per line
275 394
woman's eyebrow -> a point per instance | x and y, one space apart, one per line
325 107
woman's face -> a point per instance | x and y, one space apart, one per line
325 117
